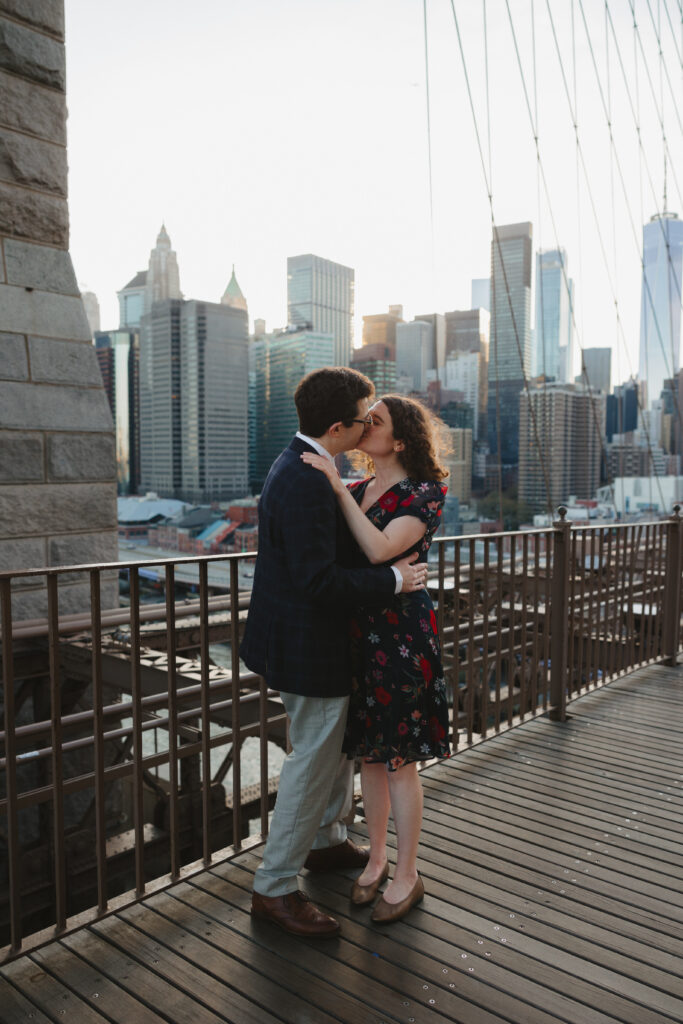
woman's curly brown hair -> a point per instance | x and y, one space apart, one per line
425 437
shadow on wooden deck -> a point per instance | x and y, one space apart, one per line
553 862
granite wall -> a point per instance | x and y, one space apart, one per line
57 450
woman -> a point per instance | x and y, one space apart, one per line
398 713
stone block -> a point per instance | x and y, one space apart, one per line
63 362
21 457
32 108
22 554
81 457
34 215
13 359
28 510
49 16
41 267
43 314
32 55
26 406
33 162
82 549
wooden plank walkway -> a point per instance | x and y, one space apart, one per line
553 862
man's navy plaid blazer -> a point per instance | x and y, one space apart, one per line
305 588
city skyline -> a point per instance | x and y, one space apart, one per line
248 164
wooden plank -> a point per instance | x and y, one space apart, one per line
386 976
93 986
248 993
561 802
329 973
517 838
440 937
545 831
16 1008
143 981
48 994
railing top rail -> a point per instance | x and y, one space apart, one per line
135 564
57 570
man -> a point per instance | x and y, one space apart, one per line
297 637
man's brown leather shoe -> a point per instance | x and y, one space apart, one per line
295 913
336 858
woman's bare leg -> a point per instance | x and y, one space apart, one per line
376 804
405 790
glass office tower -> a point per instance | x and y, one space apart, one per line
660 307
320 298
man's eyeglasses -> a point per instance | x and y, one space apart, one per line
368 421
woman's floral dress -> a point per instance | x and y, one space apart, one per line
398 711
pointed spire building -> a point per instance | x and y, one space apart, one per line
232 296
163 276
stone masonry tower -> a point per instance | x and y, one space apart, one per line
57 454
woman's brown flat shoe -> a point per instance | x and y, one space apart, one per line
385 912
362 894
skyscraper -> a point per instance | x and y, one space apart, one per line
279 364
415 352
163 277
569 423
553 349
232 296
510 346
596 369
380 328
118 353
660 304
194 400
320 298
378 362
160 281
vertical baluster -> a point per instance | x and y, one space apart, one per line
206 709
644 606
471 652
622 571
499 639
485 623
612 594
635 535
173 805
442 570
523 689
533 697
10 753
594 614
512 629
136 706
588 619
658 592
603 608
549 554
57 765
236 729
468 707
582 623
98 739
572 686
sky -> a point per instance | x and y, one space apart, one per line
257 129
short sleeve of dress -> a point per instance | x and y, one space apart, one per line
424 500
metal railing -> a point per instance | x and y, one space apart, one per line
115 744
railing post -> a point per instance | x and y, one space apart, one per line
672 587
559 624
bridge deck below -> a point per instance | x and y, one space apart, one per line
552 857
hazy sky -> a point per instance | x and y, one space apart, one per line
258 129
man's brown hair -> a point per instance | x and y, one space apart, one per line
328 396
